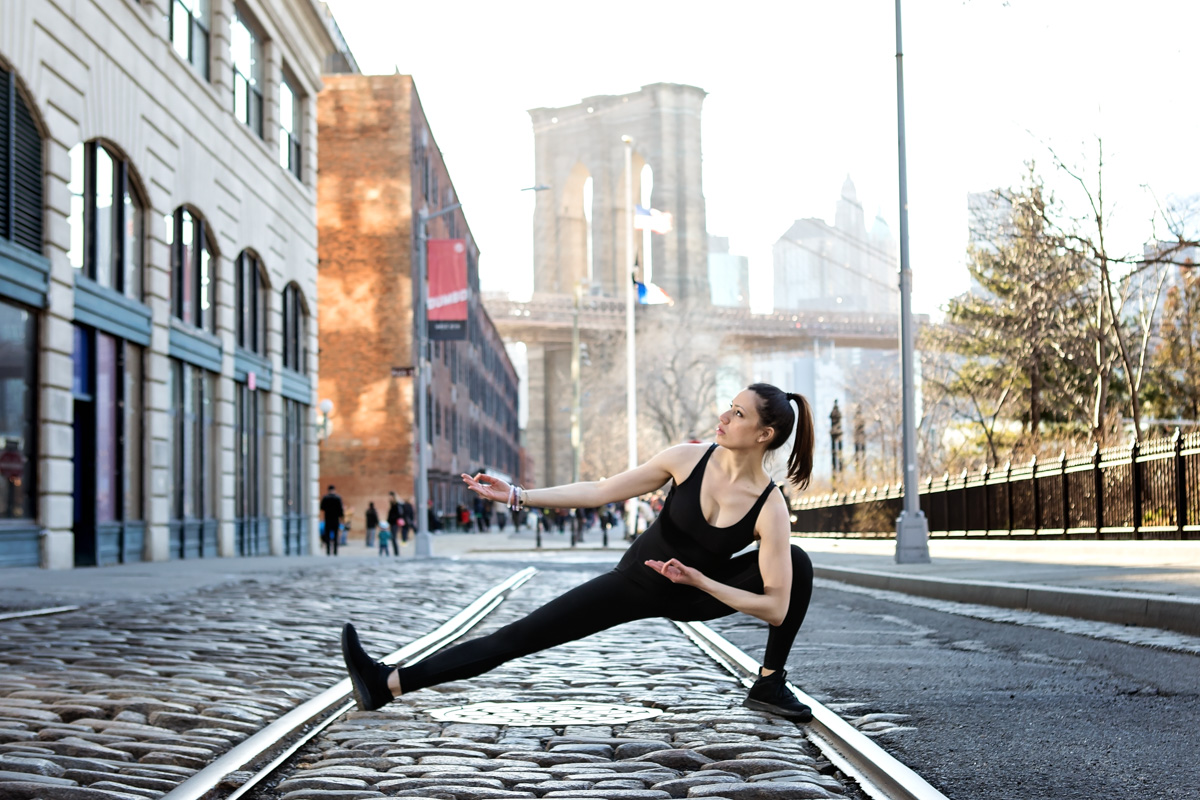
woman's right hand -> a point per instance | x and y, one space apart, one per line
487 486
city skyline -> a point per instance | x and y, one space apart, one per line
801 96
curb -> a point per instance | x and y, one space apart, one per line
1163 611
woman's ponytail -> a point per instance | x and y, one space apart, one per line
800 462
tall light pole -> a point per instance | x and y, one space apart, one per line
630 349
577 390
422 366
912 529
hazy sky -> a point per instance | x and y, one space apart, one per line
800 94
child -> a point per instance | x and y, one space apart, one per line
385 536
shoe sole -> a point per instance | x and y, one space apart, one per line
357 685
797 716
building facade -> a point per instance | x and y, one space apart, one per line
839 267
380 167
158 278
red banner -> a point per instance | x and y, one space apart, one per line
447 306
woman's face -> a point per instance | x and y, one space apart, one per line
740 426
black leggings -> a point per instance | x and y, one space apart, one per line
608 600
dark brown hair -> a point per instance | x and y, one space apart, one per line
775 411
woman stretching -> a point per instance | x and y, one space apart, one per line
682 568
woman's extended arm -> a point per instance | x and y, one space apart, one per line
589 494
774 562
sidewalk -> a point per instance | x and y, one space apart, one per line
1150 583
24 588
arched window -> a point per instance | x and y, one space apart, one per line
251 303
645 246
295 330
106 219
193 278
21 198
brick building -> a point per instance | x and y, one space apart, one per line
380 166
158 278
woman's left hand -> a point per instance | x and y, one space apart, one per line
676 572
487 486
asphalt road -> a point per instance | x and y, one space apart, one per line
1002 710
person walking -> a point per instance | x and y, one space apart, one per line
410 519
384 536
396 523
332 511
682 568
372 523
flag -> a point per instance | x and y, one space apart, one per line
651 219
649 294
446 307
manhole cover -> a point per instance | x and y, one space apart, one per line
537 714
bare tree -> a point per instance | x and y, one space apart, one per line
1129 335
677 376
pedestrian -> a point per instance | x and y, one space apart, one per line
464 518
372 523
499 510
347 518
332 512
481 514
384 536
682 568
396 522
408 514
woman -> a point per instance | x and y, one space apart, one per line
683 567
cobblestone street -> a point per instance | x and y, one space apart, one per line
125 699
132 696
704 744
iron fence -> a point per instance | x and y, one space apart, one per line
1147 490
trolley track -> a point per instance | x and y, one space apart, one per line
877 773
253 763
37 612
270 748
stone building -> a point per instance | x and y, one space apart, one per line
158 278
839 267
380 166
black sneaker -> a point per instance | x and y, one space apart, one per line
368 677
771 694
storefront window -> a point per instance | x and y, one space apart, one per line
18 416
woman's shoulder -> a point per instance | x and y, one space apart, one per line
681 459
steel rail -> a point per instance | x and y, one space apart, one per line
880 775
275 741
37 612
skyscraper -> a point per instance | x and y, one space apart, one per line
839 267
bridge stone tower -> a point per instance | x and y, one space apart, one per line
571 145
574 143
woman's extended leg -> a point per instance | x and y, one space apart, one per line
601 603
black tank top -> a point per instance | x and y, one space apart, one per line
682 532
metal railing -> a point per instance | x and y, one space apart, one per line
1147 490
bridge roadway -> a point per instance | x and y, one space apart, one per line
549 318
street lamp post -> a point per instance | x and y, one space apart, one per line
912 529
630 348
422 366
